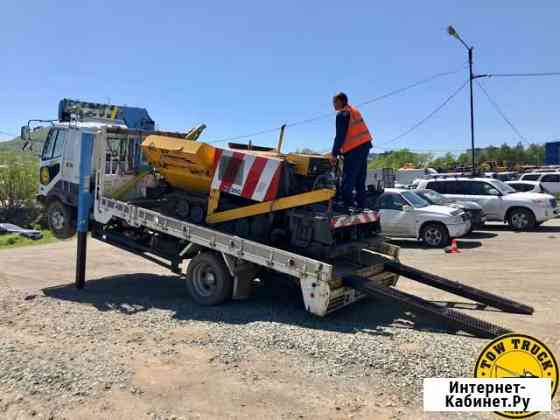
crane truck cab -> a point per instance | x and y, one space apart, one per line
60 155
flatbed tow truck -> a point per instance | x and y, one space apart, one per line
219 264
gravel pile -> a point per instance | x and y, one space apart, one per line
73 357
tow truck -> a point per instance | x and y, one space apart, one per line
197 210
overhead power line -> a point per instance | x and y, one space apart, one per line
427 117
244 136
553 73
380 97
329 114
501 113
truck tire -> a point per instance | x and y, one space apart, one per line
208 279
61 219
521 219
434 235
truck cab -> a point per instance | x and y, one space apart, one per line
60 156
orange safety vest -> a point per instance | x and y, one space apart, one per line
358 132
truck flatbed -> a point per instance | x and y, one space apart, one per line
312 273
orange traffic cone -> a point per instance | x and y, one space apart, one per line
453 249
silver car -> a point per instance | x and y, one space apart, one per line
404 214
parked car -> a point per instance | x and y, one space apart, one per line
528 186
405 214
473 210
550 180
26 233
500 202
502 176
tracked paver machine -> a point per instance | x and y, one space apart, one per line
257 193
240 213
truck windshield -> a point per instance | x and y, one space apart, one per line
414 199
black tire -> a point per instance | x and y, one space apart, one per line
197 214
61 219
208 279
521 219
434 235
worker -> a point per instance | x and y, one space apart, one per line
352 142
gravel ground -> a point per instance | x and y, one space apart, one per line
141 318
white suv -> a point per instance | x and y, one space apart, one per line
549 180
500 202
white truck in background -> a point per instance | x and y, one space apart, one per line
381 178
405 177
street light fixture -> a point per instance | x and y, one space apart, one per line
452 32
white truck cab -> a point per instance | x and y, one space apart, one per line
60 157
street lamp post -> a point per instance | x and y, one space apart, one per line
451 31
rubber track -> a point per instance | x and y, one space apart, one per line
458 320
458 289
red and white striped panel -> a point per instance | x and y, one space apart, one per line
354 219
254 177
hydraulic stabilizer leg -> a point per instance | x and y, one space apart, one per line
84 205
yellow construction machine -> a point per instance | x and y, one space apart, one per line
254 192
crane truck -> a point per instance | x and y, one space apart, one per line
221 218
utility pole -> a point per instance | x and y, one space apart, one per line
451 31
471 77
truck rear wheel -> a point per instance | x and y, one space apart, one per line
61 220
208 279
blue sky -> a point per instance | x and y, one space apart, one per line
247 66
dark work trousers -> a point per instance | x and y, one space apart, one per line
354 176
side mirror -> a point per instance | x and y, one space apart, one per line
25 133
406 207
495 192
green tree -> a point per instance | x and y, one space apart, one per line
445 162
532 154
535 154
398 158
18 181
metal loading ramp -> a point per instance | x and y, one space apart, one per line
458 289
449 317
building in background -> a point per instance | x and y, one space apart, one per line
552 153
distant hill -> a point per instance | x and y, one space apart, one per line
16 144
